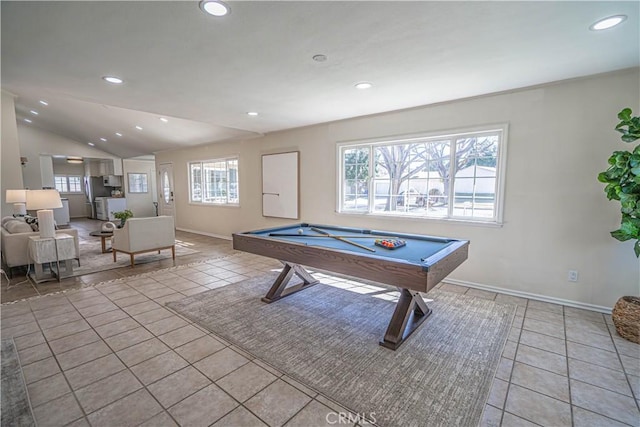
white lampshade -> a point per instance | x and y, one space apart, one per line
17 197
43 201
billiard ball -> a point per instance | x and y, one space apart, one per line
300 231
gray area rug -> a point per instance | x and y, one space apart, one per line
93 260
327 338
16 408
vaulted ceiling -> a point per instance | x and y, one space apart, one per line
204 73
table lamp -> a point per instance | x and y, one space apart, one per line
18 198
44 201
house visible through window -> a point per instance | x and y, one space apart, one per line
214 182
454 176
137 182
68 183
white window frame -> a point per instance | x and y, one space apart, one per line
138 177
68 184
496 220
229 181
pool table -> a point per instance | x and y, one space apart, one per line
415 267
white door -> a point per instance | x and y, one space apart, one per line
165 190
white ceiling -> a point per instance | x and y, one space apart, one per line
205 73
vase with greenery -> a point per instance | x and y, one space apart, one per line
623 184
122 216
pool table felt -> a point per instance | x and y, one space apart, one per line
417 250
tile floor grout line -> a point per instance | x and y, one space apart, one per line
522 418
227 344
513 365
61 371
566 349
624 370
126 368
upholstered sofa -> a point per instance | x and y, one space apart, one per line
15 242
140 235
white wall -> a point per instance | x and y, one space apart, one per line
35 142
77 208
141 204
11 174
556 216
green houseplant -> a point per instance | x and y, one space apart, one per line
623 180
623 184
123 216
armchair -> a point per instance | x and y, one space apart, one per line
140 235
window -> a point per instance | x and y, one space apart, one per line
455 176
214 182
137 183
68 184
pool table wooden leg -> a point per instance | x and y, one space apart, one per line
410 312
279 288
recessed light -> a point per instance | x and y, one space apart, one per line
252 113
319 58
363 85
44 102
214 7
113 79
74 160
118 134
34 112
103 139
91 144
28 120
163 120
609 22
139 127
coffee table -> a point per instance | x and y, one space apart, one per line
103 236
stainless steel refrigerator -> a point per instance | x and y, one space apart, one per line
94 187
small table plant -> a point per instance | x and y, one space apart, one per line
122 216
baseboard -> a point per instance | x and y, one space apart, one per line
529 295
202 233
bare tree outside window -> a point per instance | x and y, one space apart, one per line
214 182
418 178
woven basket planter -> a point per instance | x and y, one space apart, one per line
626 318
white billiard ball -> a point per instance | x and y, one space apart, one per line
300 231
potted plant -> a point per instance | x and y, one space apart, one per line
623 184
122 216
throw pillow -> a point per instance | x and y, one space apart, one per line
32 221
17 226
7 219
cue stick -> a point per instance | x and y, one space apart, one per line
371 236
342 239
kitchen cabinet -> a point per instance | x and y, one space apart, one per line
117 167
46 171
106 167
112 181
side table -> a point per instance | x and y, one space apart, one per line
58 250
103 237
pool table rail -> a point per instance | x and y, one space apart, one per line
420 277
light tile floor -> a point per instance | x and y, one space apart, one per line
112 355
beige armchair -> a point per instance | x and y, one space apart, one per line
14 246
144 235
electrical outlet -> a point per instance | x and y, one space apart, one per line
573 276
